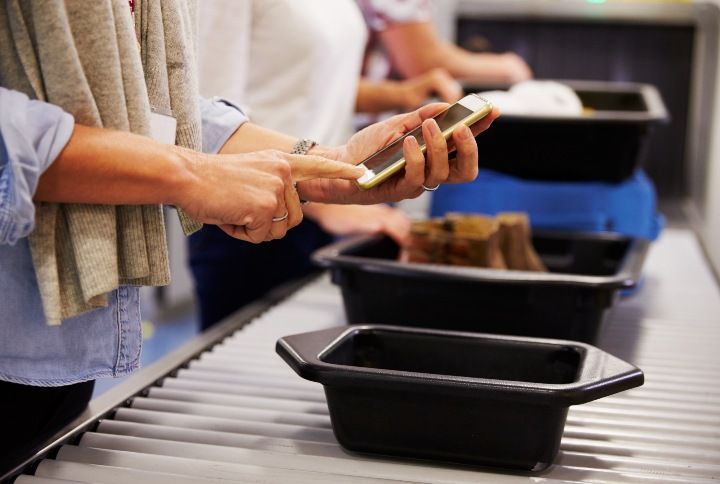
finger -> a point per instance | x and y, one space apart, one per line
280 225
235 231
259 232
306 167
478 127
430 111
411 184
485 122
402 123
281 214
437 168
257 227
292 205
466 163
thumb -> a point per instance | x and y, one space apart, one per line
402 123
308 167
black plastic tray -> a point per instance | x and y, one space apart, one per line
571 302
605 145
456 397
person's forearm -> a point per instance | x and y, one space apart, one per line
375 97
487 67
464 64
101 166
416 48
251 137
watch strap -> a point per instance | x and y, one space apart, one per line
302 146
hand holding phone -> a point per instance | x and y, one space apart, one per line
421 170
390 160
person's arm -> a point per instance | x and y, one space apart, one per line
343 220
416 47
102 166
252 137
241 193
379 96
100 157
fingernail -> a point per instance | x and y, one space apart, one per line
465 133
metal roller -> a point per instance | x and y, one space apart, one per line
43 480
214 410
238 401
237 389
268 429
214 437
115 475
200 468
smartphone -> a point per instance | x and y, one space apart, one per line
389 160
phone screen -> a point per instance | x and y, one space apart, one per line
393 152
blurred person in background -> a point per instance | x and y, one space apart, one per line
275 58
405 43
294 67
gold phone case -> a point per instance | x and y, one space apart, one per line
398 165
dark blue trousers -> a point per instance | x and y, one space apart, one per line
230 273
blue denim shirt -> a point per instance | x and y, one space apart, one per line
101 343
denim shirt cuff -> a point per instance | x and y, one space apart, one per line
220 119
32 135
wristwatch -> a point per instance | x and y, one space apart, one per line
301 148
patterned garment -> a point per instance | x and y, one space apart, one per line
381 13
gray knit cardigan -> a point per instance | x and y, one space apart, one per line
91 59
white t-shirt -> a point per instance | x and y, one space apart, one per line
294 65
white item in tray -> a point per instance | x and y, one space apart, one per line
538 98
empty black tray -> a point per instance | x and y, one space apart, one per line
606 144
571 302
456 397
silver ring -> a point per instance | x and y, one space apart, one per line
280 219
431 189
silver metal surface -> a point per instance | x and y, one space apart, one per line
237 413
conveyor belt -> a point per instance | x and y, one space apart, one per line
238 413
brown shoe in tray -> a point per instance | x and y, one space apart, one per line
474 240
